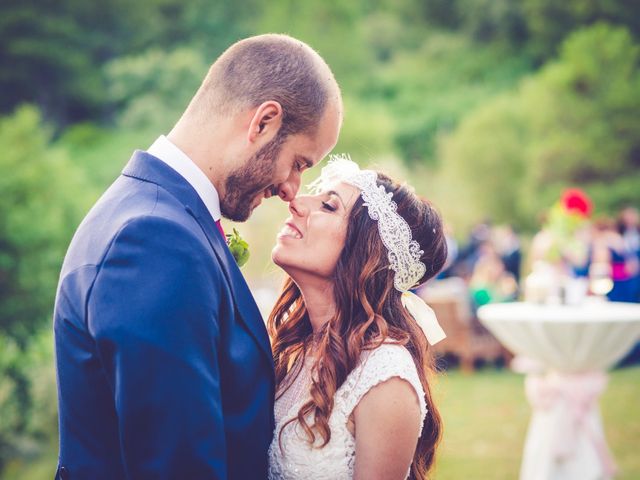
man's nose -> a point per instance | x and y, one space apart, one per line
288 189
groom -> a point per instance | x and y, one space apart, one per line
163 362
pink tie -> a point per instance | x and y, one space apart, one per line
219 225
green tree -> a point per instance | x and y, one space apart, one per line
152 89
43 198
430 90
52 53
27 397
575 122
549 22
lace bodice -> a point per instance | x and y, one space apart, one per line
298 459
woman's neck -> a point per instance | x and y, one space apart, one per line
319 302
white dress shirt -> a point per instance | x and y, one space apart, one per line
166 151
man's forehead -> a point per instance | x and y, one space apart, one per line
326 135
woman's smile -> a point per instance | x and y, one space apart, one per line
290 230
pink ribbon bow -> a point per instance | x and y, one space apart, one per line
580 393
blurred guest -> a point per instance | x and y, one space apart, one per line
609 248
490 281
480 233
452 253
507 244
578 257
629 228
468 255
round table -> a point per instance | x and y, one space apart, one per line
570 349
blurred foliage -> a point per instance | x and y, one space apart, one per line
27 397
101 152
43 198
550 22
428 91
539 26
574 122
53 53
153 88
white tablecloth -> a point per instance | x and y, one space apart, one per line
568 339
574 345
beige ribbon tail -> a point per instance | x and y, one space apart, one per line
424 316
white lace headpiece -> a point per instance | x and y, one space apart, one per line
403 251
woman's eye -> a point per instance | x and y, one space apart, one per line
328 206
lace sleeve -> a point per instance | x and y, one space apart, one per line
378 366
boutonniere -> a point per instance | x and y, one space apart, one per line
239 247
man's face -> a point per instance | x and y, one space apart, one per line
276 169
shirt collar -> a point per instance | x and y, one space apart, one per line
170 154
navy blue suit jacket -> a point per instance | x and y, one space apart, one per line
163 362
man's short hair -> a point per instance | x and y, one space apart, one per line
270 67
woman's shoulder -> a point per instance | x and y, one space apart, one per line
389 353
390 359
384 362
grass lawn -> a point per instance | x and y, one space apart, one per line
485 419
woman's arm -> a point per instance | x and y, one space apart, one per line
387 426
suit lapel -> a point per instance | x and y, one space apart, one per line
148 168
245 302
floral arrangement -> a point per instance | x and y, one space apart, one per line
565 218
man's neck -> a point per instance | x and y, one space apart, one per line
203 154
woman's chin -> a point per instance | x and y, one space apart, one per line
286 265
278 257
276 254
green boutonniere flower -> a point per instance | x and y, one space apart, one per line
239 247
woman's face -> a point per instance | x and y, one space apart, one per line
310 243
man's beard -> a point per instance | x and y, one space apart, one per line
244 184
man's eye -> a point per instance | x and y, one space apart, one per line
328 206
300 166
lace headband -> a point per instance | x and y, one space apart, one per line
403 252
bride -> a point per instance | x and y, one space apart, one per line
350 342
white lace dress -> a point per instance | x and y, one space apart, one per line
298 459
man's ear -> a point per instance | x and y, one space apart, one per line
266 122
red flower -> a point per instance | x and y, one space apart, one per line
574 200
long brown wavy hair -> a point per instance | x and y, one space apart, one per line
368 312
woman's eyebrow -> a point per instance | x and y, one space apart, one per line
333 192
